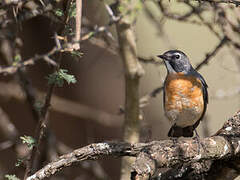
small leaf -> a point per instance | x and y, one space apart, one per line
59 12
17 58
30 141
67 77
76 53
72 10
11 177
59 77
19 162
38 106
53 79
121 9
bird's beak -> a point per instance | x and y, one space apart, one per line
164 57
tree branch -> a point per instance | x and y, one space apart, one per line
78 22
225 144
41 127
212 53
13 69
150 156
235 2
133 72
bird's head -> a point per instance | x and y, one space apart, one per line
176 62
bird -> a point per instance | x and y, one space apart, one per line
185 95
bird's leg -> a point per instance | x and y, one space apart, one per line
196 133
174 139
198 141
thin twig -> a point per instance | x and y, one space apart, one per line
46 56
78 20
42 125
212 53
175 16
39 133
31 61
99 29
184 18
207 24
13 69
65 48
43 121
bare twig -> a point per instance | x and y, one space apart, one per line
184 18
78 20
100 29
41 126
212 53
31 61
46 56
176 16
13 69
25 84
207 24
144 100
43 121
39 132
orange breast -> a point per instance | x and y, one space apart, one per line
183 99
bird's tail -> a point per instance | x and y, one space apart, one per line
177 131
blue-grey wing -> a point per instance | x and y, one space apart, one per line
205 95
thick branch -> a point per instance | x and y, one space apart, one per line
167 153
90 152
133 72
225 144
235 2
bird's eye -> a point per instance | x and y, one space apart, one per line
177 56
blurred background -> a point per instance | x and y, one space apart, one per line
89 110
